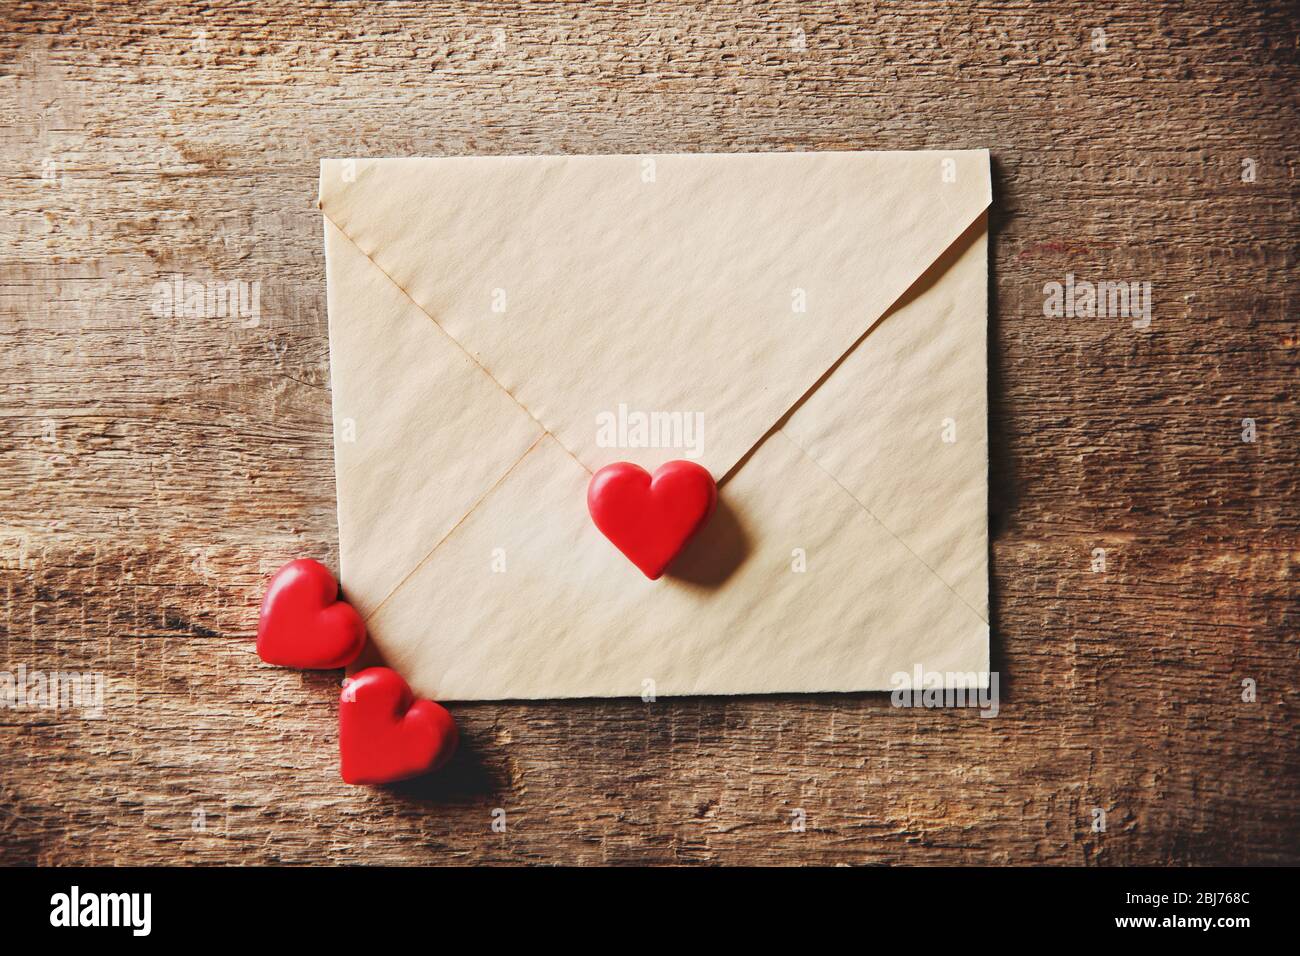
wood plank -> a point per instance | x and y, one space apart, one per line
156 470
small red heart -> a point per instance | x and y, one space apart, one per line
651 519
303 622
387 735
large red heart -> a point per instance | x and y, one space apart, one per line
303 622
651 519
387 735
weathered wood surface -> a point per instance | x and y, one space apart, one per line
155 470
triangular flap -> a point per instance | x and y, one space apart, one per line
657 307
914 451
387 360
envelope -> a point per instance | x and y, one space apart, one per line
809 327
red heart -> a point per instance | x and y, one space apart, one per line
651 519
387 735
304 624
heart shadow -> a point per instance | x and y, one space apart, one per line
715 553
466 778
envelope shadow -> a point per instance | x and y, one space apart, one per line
1004 485
715 553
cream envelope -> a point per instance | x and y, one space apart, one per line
502 327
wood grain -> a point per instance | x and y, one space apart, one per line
153 471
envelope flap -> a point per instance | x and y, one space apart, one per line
657 307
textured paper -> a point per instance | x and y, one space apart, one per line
485 312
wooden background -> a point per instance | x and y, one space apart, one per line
154 471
